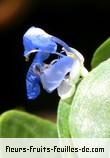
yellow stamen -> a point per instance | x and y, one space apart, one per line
71 55
26 59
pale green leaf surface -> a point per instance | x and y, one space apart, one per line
90 111
63 119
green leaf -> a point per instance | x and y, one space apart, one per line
63 119
101 54
90 111
17 124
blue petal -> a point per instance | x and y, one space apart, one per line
28 46
32 78
36 38
62 43
33 88
40 57
52 77
32 83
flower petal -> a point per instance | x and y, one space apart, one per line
79 55
28 46
36 38
40 57
33 88
62 43
75 71
66 89
52 77
32 83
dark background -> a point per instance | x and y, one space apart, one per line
84 25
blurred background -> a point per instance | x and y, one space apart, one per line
84 25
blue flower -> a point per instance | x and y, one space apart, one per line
52 75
